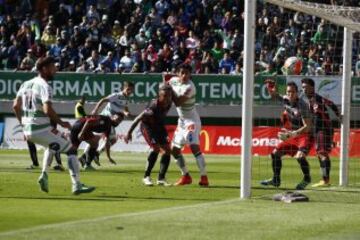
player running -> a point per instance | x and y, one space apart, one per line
324 132
34 111
153 129
296 134
189 125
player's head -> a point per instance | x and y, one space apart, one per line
308 86
117 118
165 94
183 71
46 67
291 91
82 100
128 88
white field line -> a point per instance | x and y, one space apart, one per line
123 215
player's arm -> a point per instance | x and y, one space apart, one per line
179 100
17 108
50 112
333 107
99 104
272 90
136 121
126 111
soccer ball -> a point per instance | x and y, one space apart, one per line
292 66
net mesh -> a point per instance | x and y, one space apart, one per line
320 59
341 15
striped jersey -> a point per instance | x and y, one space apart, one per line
117 103
187 109
34 93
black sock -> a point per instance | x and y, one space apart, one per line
164 164
305 168
90 155
58 158
325 166
150 163
33 153
276 166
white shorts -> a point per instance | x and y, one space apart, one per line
45 138
187 132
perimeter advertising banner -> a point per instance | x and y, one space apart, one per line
14 137
214 139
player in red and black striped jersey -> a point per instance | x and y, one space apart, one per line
296 134
153 129
84 129
323 129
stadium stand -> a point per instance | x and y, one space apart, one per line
155 35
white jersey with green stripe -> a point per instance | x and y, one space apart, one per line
187 110
117 103
34 93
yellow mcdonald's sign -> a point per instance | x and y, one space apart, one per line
207 140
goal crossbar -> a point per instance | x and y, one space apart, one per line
345 16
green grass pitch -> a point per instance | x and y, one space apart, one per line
122 208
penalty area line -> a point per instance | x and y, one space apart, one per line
122 215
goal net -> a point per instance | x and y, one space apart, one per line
305 39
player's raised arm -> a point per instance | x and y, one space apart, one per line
99 104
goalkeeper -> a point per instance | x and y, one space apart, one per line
295 135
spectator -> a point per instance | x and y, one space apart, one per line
28 62
226 63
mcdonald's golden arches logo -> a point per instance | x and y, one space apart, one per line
207 140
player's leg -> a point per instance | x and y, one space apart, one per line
323 148
164 165
304 144
33 155
93 141
148 135
200 161
178 141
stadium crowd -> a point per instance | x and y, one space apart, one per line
146 36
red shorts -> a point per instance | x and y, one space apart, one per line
291 146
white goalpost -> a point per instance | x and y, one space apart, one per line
247 100
347 17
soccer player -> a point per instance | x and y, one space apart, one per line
189 125
33 155
116 102
319 106
84 129
296 134
33 109
153 129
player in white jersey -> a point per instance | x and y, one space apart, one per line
33 109
116 103
189 125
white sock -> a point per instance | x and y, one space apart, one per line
200 160
74 169
48 157
87 148
102 145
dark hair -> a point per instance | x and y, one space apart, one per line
308 81
164 87
128 84
183 66
292 84
44 62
